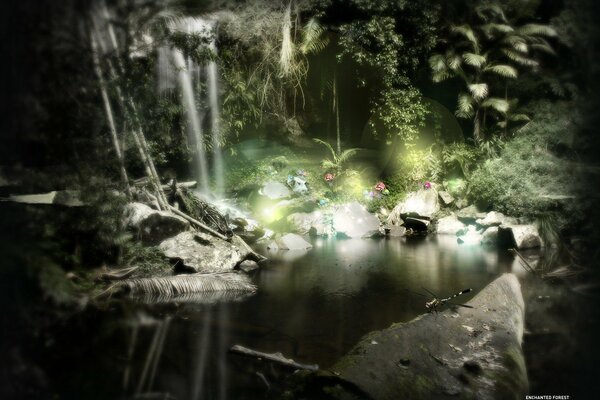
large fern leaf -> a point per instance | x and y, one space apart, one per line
537 30
183 284
479 91
313 40
467 32
474 60
465 106
497 104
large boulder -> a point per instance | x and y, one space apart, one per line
449 225
466 353
290 241
200 252
494 218
304 223
275 190
153 226
469 214
490 236
352 220
520 236
422 204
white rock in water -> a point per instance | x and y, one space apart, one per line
290 241
494 218
423 203
449 225
275 190
354 221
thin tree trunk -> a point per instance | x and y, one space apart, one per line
506 115
109 115
336 106
140 139
477 127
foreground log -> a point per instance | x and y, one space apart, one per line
465 353
277 358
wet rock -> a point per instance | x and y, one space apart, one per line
420 204
303 222
416 224
201 252
418 360
469 236
446 198
275 190
490 236
494 218
66 198
152 226
290 241
248 229
470 214
521 236
449 225
395 231
248 265
354 221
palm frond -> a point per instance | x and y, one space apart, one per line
479 91
519 58
505 71
467 32
465 106
486 11
184 284
453 61
537 30
497 104
437 63
313 40
475 60
440 76
491 28
520 118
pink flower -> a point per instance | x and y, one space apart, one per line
380 187
329 177
427 185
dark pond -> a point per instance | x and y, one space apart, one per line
312 306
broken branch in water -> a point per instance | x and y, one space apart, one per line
525 263
277 358
192 220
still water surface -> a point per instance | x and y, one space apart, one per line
312 306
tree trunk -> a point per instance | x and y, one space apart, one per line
109 115
336 105
477 127
136 128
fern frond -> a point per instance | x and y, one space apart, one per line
327 145
491 28
346 155
184 284
520 118
537 30
454 61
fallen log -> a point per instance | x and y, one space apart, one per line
277 358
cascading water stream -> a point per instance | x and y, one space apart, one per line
196 103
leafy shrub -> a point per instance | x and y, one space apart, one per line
529 168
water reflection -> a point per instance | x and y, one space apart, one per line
312 307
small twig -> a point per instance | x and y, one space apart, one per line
525 263
274 357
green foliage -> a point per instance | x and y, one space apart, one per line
401 113
463 155
531 168
337 162
485 52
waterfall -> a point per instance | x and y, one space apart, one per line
197 104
